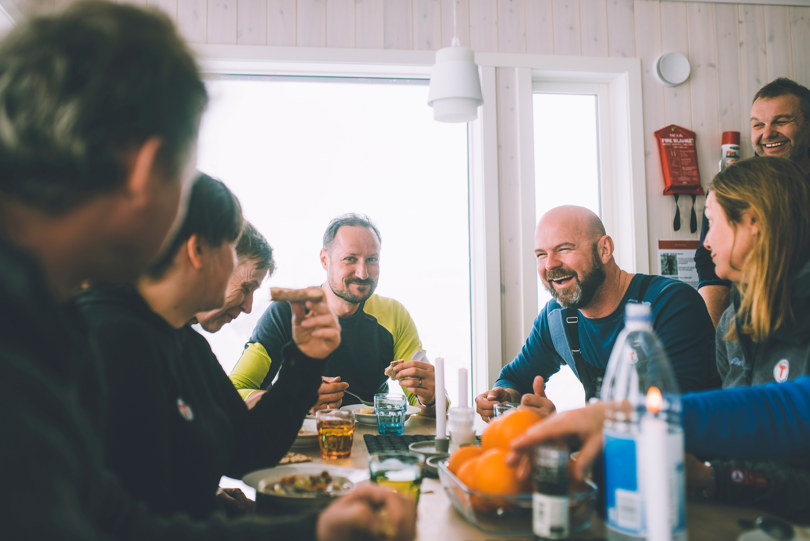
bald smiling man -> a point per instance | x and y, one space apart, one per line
575 263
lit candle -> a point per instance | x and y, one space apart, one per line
462 387
441 400
655 464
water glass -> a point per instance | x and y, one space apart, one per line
390 410
502 407
335 432
398 470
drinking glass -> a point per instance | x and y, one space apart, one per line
502 407
335 433
390 411
398 470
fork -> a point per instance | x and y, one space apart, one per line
365 403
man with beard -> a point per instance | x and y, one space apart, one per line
374 330
780 127
580 324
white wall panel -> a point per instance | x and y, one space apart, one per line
251 22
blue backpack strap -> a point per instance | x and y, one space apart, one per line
556 326
562 324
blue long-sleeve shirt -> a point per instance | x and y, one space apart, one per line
765 421
680 320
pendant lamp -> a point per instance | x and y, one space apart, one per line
455 88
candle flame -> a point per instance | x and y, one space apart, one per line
654 400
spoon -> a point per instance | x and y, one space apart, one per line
365 403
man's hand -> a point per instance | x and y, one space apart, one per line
254 398
418 378
582 425
316 332
538 400
485 401
369 512
330 394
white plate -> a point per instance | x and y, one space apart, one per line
307 435
354 475
371 418
273 475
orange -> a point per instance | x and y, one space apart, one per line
502 430
468 471
462 455
495 476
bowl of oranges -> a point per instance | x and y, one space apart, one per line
491 495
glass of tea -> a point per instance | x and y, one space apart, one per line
399 470
335 432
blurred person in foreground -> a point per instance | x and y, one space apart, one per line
99 111
375 330
176 423
780 128
580 324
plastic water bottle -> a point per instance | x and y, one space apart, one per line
643 438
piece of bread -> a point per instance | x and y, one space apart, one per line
294 458
390 372
313 293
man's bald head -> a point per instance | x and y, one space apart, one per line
580 222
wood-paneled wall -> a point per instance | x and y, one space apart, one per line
733 48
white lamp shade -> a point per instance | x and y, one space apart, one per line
455 89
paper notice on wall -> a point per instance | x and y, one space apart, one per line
676 259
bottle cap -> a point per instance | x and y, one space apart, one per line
731 138
637 311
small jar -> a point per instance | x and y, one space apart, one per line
550 501
460 424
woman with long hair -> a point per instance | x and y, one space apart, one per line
759 236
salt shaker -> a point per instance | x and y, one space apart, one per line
460 422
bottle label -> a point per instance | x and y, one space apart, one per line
624 495
550 516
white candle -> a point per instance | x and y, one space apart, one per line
441 400
462 387
655 483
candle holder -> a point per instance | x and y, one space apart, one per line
442 444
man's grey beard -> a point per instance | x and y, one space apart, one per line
584 290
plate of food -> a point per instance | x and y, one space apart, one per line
307 435
302 485
366 415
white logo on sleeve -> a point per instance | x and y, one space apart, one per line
185 410
781 370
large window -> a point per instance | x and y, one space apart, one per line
300 151
566 158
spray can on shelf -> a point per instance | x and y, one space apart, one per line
643 437
730 148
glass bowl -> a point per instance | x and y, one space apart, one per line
512 515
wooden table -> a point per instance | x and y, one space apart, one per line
439 520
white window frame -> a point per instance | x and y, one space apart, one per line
621 139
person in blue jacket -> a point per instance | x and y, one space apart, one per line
580 324
759 422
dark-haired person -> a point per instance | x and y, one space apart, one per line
375 330
176 423
780 127
99 106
